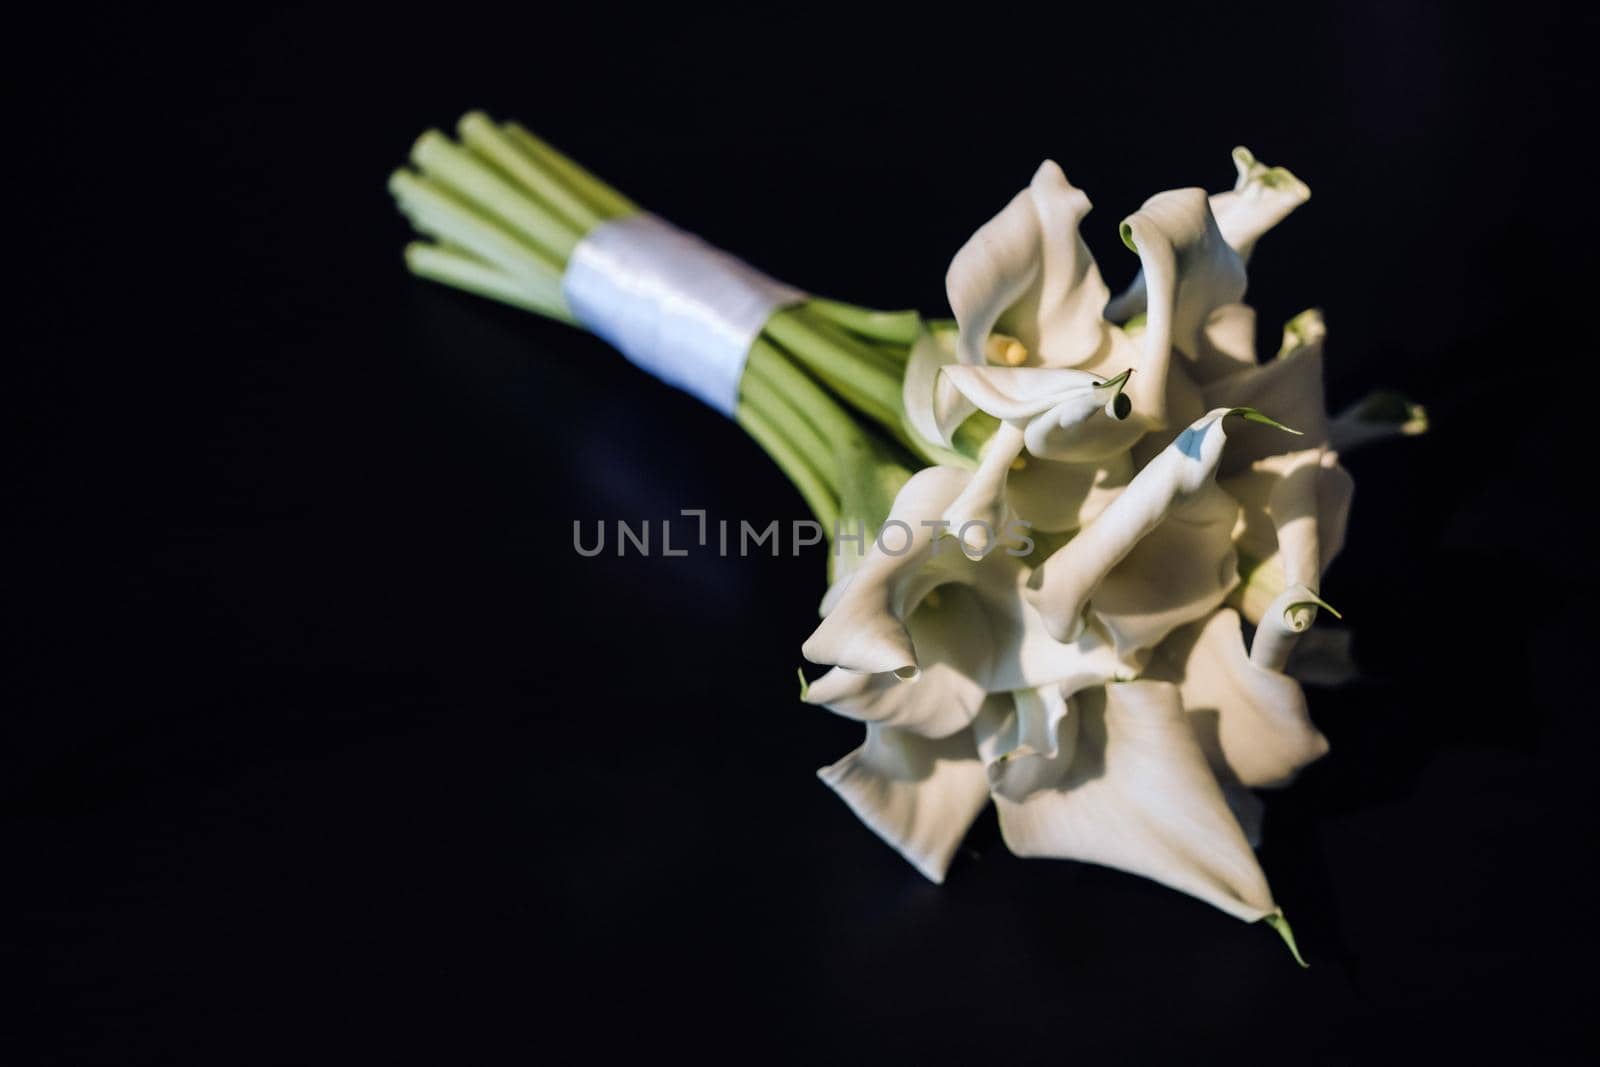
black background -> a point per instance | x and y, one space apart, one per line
320 745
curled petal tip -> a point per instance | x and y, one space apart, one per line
1277 921
1120 406
1126 232
1252 169
1313 598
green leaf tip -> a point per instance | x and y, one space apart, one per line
1312 599
1252 415
1120 406
1277 921
1127 237
1117 382
805 686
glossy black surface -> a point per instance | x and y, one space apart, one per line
320 745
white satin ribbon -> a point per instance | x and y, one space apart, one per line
684 311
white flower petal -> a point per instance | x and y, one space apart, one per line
1055 497
1275 494
864 632
1286 619
1289 389
934 407
1261 198
1063 584
919 795
1252 723
997 266
1017 394
977 516
1028 270
1187 271
1137 795
1068 415
1025 745
1072 296
955 650
1183 570
1227 343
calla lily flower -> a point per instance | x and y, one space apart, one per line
1294 510
1250 718
918 640
1055 414
1028 274
1261 197
1188 271
1112 774
1106 700
1183 576
918 636
1124 784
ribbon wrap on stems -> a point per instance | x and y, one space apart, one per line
679 308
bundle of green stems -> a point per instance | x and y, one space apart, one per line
821 389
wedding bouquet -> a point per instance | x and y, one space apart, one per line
1076 541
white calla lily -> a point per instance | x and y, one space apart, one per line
1130 788
1184 569
865 630
1261 197
1171 485
1285 621
1294 508
934 406
1251 720
953 658
1028 273
978 515
1022 744
1187 271
919 794
1071 415
916 637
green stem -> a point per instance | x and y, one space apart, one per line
481 135
867 353
896 327
469 177
436 210
832 421
604 199
861 383
783 453
791 421
452 267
